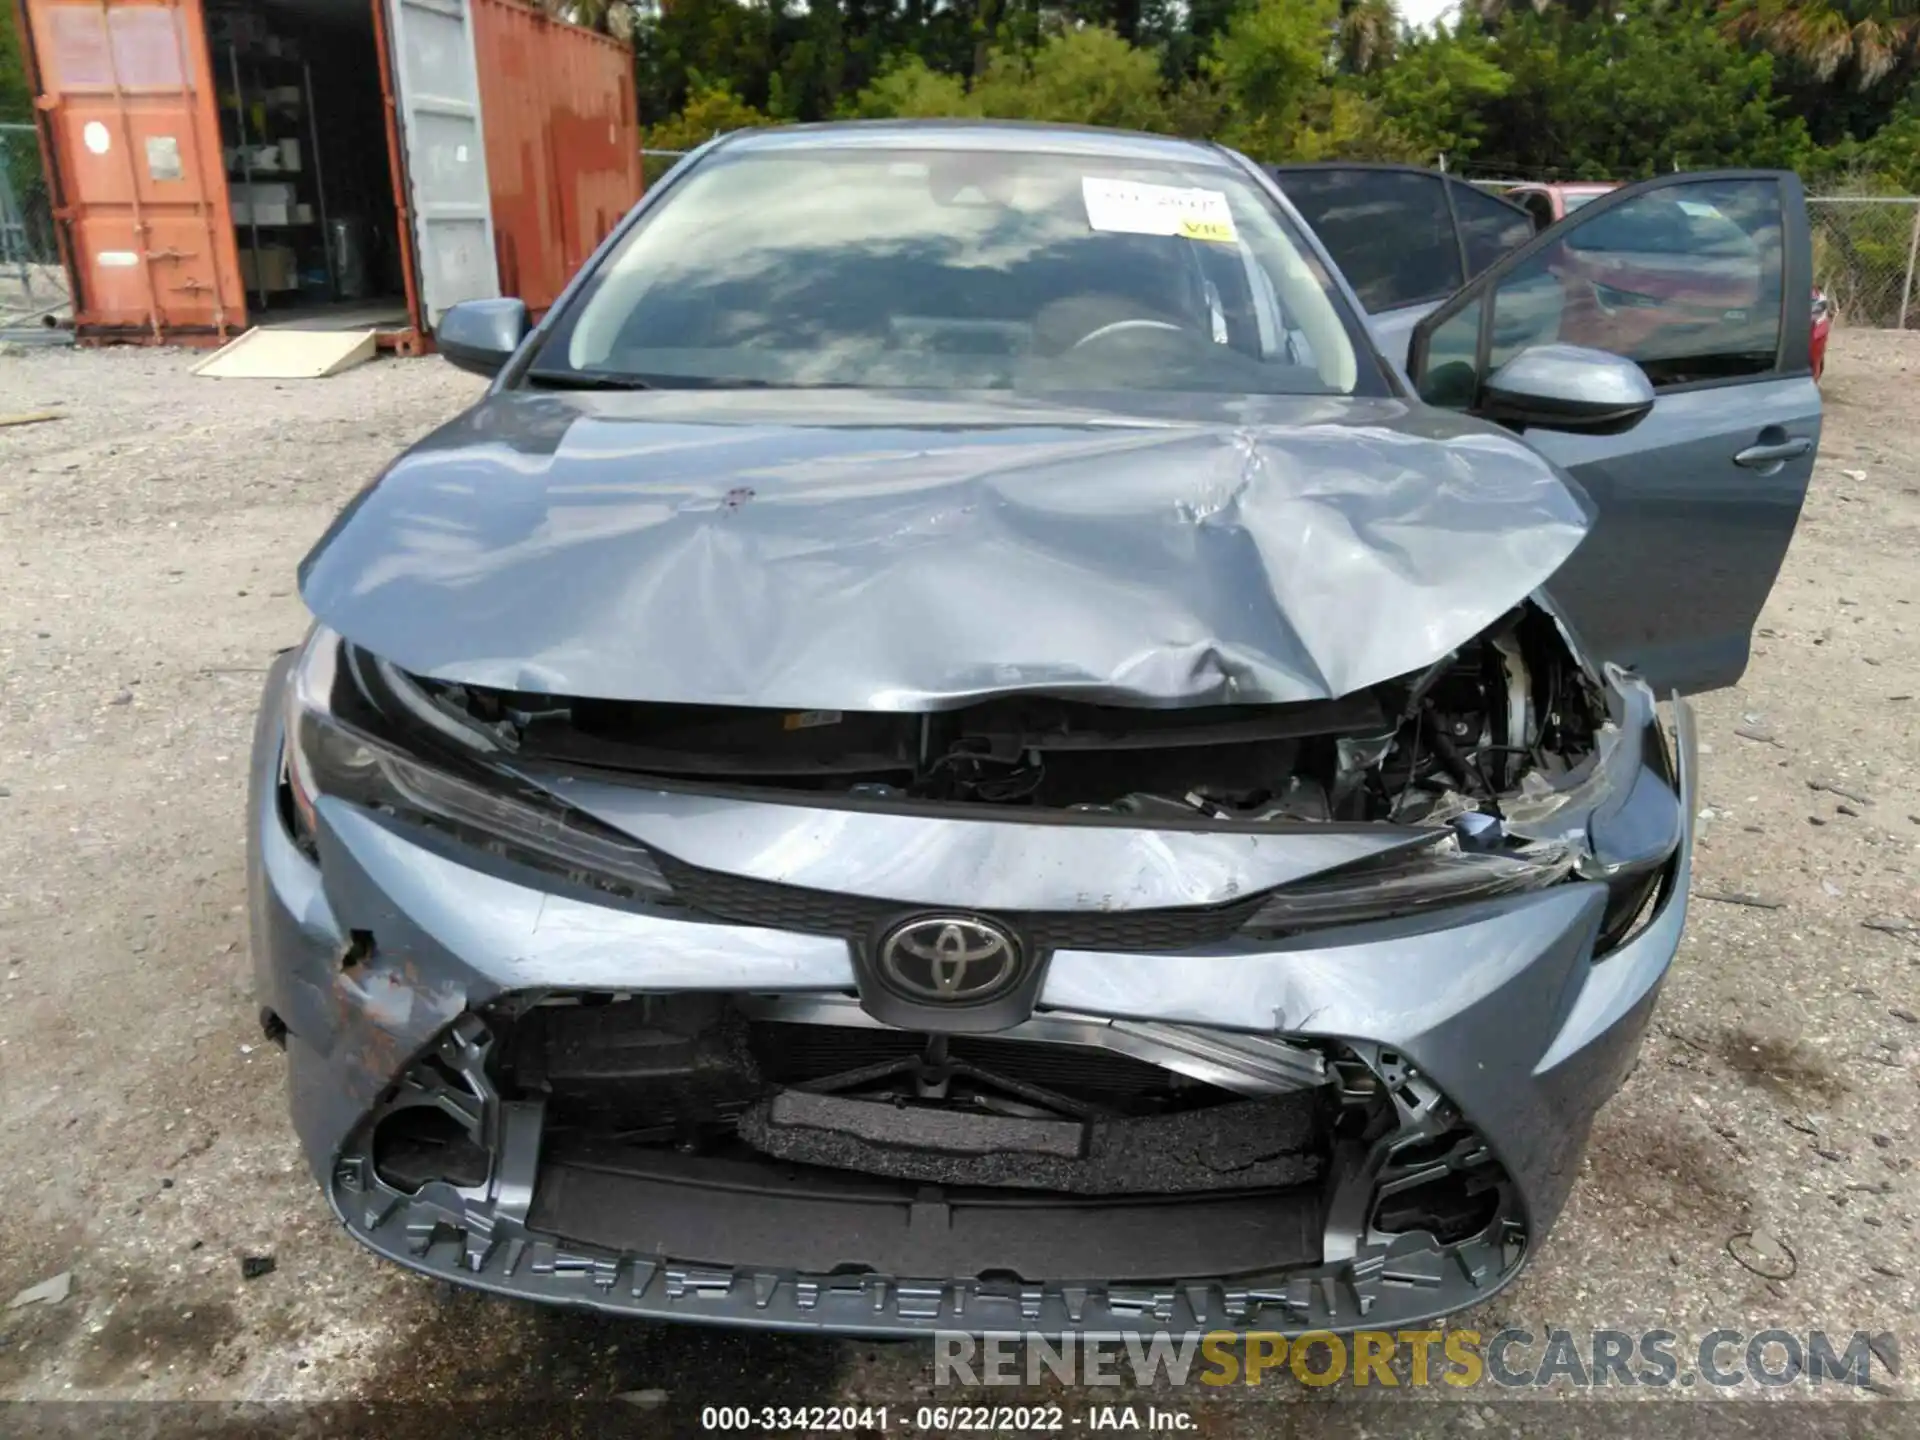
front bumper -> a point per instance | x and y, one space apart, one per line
1498 1009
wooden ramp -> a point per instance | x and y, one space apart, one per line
288 354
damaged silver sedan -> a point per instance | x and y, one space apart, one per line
951 748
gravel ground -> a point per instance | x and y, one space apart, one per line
147 548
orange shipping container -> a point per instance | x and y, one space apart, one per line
132 144
152 110
563 143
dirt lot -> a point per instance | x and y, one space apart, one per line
147 548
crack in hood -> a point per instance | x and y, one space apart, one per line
852 551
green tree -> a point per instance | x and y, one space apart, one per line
16 100
1566 88
1862 39
1082 76
695 45
713 111
1893 154
1626 94
910 88
1437 92
1272 66
1887 163
1368 35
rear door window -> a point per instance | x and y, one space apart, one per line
1489 226
1388 230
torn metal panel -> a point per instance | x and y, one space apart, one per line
1247 1064
858 551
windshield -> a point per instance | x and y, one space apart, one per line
960 269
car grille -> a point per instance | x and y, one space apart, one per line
745 901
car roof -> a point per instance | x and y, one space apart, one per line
1005 136
1293 167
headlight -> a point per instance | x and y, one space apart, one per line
1439 874
332 756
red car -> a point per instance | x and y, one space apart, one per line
1548 203
1822 323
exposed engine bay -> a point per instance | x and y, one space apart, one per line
1510 705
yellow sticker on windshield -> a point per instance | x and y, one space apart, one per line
1193 228
1131 207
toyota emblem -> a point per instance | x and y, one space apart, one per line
950 958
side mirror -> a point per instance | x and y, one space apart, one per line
481 335
1568 387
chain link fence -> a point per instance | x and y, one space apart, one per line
33 283
1864 248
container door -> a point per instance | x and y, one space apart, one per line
132 131
437 88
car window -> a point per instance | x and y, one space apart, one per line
1685 280
1679 226
1387 230
1449 378
1489 226
963 269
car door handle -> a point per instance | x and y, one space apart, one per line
1755 457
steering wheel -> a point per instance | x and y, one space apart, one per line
1119 325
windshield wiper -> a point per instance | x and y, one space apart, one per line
589 380
575 380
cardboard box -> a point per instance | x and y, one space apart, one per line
262 192
262 203
278 268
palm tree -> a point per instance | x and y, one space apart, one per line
1872 36
1492 12
589 14
1369 32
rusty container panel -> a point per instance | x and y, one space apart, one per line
563 143
133 142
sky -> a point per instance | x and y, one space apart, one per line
1425 12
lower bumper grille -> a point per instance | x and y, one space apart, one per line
726 1212
683 1217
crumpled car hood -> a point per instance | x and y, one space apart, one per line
859 551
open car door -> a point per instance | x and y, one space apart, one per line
1406 238
1699 280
